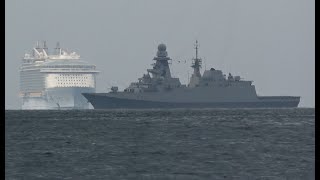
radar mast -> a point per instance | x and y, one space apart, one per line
196 64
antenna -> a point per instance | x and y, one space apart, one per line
58 49
58 45
45 45
37 45
45 48
196 65
196 49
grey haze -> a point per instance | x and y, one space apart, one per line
270 42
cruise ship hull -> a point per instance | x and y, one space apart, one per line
58 98
103 101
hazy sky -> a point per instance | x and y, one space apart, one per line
271 42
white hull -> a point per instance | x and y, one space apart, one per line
59 98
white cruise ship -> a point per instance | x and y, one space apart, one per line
55 81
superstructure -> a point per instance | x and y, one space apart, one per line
55 81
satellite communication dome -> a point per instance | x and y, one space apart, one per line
162 47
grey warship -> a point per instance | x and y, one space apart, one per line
212 89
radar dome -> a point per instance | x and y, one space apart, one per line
162 47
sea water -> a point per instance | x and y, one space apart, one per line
160 144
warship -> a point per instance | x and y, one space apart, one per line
212 89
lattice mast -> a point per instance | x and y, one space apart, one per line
197 62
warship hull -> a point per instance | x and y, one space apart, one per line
103 101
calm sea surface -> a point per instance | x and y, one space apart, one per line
160 144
